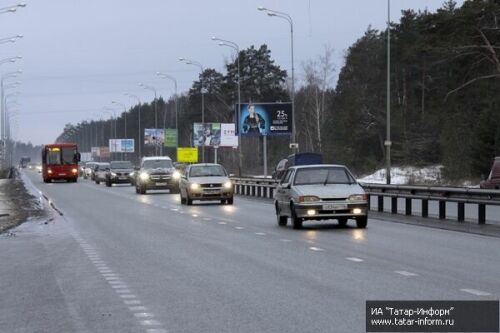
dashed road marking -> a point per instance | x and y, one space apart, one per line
221 223
123 291
143 315
132 302
355 259
476 292
239 228
260 233
313 248
285 240
138 308
128 296
150 322
156 330
405 273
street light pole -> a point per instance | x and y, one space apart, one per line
139 142
174 80
288 18
156 110
388 142
196 63
235 46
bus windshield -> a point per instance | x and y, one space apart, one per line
63 155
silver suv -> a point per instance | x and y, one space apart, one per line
156 173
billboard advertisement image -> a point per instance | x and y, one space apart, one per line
187 154
154 137
121 145
265 119
214 135
170 137
207 134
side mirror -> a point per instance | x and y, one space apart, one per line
286 185
77 157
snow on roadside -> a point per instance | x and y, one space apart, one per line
406 175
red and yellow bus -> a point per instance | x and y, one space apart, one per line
60 161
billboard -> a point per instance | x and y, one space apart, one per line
154 137
214 135
170 137
121 145
265 119
99 151
187 154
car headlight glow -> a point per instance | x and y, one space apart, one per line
195 186
144 176
49 171
74 170
176 175
131 174
113 174
308 198
228 185
358 197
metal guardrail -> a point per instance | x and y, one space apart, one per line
265 188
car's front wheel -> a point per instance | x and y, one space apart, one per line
108 183
362 221
282 220
230 201
296 221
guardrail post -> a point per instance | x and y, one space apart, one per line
481 213
380 200
461 212
425 208
394 205
408 206
442 209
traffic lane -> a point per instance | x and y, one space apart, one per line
178 261
433 254
49 285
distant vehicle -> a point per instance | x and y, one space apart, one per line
100 171
206 182
296 159
119 173
493 180
89 170
23 163
320 192
156 173
60 161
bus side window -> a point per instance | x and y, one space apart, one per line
44 156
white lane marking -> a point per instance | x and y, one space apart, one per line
239 228
123 291
313 248
355 259
128 296
405 273
285 240
110 274
260 233
156 330
116 282
143 315
207 219
132 302
150 322
119 286
194 215
221 223
174 209
111 278
138 308
476 292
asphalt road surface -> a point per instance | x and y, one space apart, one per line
121 262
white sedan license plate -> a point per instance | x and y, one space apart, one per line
161 184
334 206
122 177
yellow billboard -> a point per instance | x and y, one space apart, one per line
187 154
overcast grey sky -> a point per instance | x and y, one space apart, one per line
81 55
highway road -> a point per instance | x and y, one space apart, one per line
121 262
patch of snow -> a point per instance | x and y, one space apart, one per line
406 175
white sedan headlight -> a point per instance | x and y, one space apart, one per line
195 186
358 197
113 174
228 185
144 176
308 198
176 175
131 174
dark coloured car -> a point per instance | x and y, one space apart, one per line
119 173
156 173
